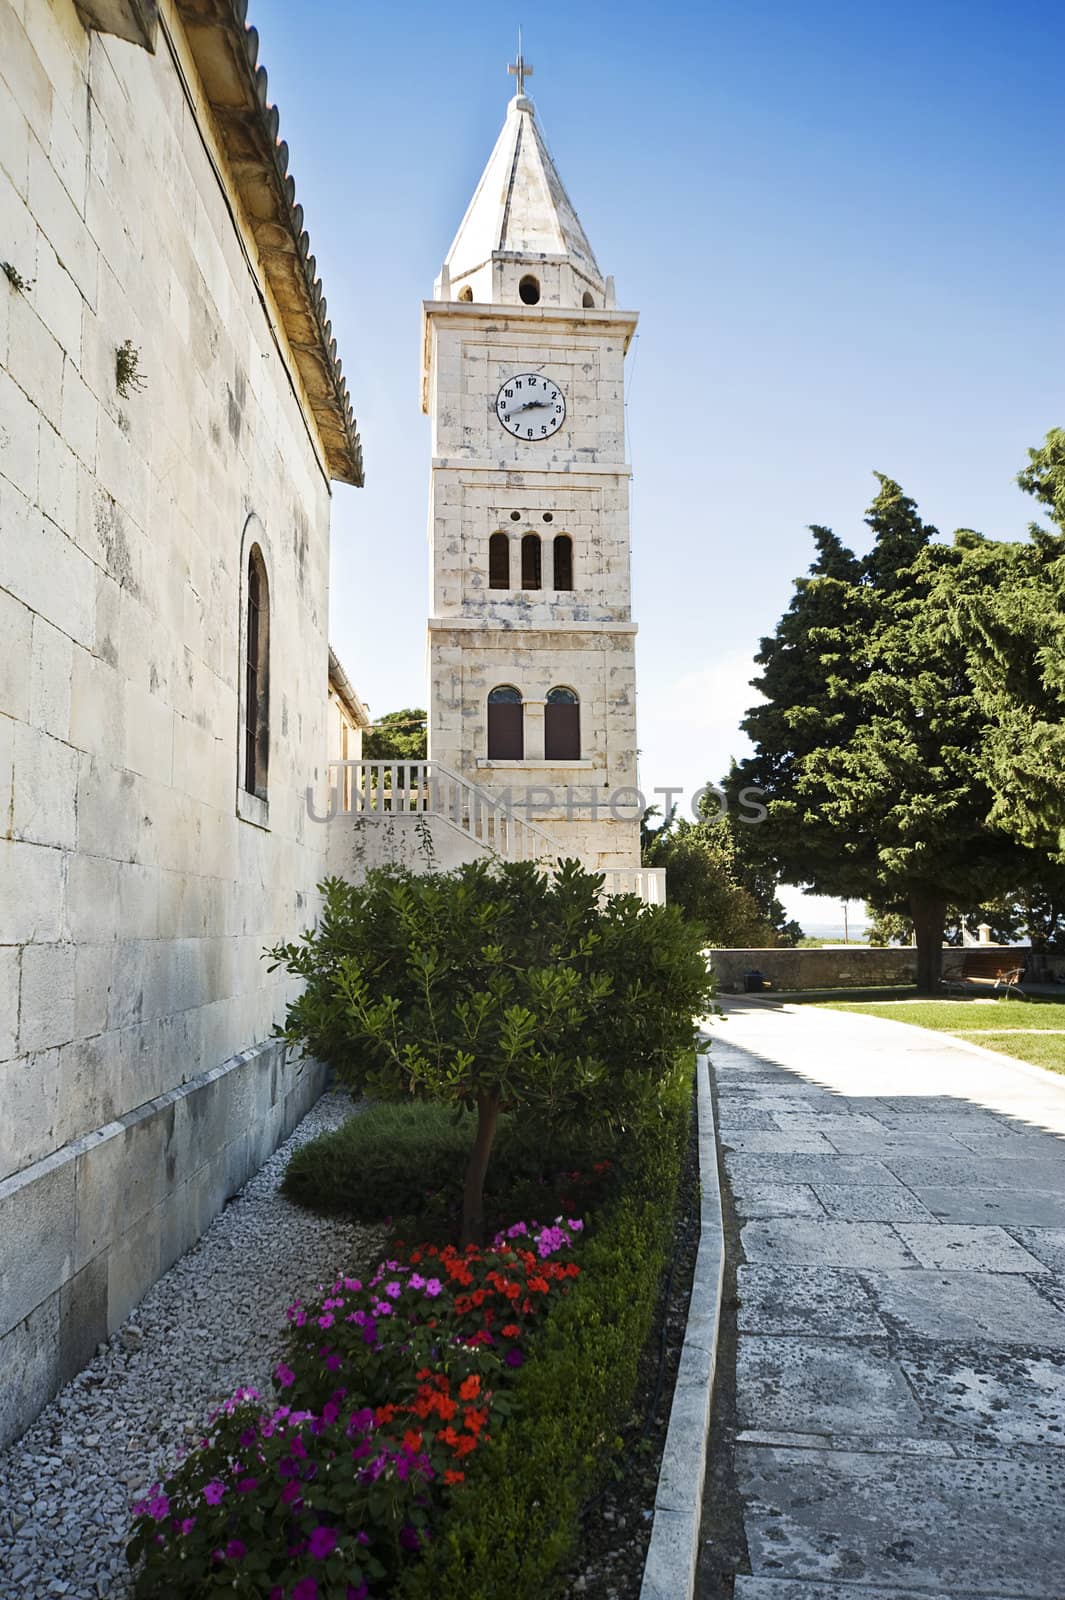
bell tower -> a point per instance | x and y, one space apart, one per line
531 641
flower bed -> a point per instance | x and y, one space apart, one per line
439 1426
389 1388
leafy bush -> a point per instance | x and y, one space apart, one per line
406 1161
498 988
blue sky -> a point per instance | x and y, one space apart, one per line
842 226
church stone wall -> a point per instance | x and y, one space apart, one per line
136 1090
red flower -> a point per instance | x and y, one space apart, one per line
470 1387
453 1476
412 1441
511 1331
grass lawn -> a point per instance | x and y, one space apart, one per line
1032 1030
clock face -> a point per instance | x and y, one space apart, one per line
531 406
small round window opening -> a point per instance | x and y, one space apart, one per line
515 516
529 291
549 516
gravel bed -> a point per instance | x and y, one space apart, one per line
212 1323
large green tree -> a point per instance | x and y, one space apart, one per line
870 746
1015 633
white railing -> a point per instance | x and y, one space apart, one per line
425 788
410 788
648 882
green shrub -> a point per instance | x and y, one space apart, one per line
498 988
405 1162
519 1519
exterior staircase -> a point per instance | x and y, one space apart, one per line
408 790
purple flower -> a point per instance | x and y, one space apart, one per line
575 1225
325 1321
409 1538
158 1507
417 1281
352 1283
361 1593
236 1550
213 1492
330 1412
284 1375
306 1589
186 1525
323 1543
432 1288
514 1357
394 1289
247 1485
362 1538
334 1363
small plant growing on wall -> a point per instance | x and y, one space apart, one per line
14 277
128 376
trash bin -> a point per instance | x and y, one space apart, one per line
753 982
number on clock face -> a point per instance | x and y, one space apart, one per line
531 406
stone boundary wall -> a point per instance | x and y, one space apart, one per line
853 966
85 1232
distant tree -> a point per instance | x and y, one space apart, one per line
705 880
869 748
397 736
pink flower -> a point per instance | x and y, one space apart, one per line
322 1543
213 1492
325 1321
417 1281
158 1507
432 1288
394 1289
284 1375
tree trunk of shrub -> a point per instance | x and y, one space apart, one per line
473 1189
929 913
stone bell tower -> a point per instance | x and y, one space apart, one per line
531 639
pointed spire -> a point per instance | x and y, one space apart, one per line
521 208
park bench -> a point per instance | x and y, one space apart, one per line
996 967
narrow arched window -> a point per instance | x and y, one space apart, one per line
588 301
499 561
562 726
531 574
506 724
257 677
563 561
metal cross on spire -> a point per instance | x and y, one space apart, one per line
520 68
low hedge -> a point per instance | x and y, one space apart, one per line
518 1518
405 1162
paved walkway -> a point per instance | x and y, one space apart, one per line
901 1347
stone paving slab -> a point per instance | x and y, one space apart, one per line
809 1242
981 1249
858 1202
823 1386
939 1525
1013 1208
813 1300
788 1589
900 1357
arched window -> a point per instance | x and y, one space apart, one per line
257 677
531 574
499 561
562 726
563 561
589 300
506 729
529 290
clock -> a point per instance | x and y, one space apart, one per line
531 406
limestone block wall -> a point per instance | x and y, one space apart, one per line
837 966
134 900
